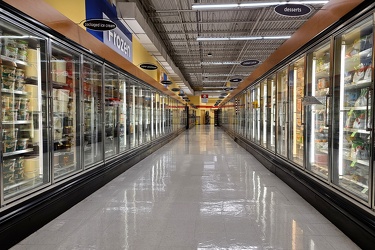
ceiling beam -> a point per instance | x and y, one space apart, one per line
230 21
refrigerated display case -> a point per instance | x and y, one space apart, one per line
282 112
147 114
92 111
316 107
24 154
296 95
353 109
65 75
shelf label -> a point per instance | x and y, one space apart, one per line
353 163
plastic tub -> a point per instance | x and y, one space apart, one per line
23 115
8 72
8 84
8 178
9 165
9 146
22 143
20 74
10 134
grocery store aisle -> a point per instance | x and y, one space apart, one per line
201 191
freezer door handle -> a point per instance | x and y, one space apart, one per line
328 98
367 110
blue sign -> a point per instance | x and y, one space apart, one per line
119 38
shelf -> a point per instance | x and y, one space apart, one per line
361 131
60 140
354 182
355 108
58 168
59 85
16 122
17 92
13 60
18 184
17 152
360 84
362 162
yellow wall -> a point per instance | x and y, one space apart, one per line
75 10
141 55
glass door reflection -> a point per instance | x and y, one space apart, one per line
282 112
92 112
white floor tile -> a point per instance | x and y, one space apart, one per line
201 191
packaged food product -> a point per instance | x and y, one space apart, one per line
9 146
9 165
8 84
8 178
8 72
22 143
31 70
19 85
19 74
11 52
23 115
22 44
10 134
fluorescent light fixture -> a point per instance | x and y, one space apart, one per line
220 63
250 5
243 38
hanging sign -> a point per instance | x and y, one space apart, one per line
148 66
166 82
204 98
292 10
250 62
99 24
235 80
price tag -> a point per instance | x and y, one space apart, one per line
364 190
353 134
353 163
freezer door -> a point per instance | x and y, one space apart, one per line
296 91
24 125
316 106
353 110
282 113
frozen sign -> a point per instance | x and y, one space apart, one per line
119 42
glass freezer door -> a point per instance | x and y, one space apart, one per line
317 122
24 157
352 100
282 112
296 90
92 112
65 75
271 113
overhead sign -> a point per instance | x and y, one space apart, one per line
175 89
292 10
99 24
118 41
166 82
148 66
250 62
235 80
204 96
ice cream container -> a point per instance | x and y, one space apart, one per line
8 84
9 146
22 143
8 72
9 165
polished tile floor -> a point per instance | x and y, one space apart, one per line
201 191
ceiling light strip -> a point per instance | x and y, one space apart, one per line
250 5
244 38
